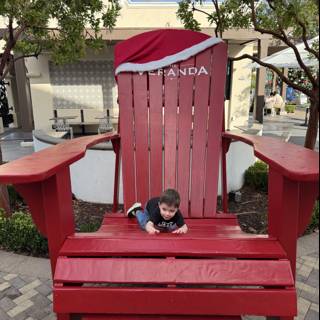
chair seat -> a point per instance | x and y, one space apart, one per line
129 317
123 270
226 227
120 236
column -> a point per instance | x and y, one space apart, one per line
22 94
260 82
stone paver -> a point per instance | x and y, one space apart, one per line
308 277
29 297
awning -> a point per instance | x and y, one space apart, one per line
286 58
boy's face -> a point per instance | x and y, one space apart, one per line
167 212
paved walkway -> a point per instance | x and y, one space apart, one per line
288 128
15 144
25 285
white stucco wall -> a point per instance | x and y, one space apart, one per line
151 15
92 177
238 110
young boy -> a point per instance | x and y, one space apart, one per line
161 214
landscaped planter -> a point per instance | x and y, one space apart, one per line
290 108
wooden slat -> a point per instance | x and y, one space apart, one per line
184 134
213 229
127 129
226 219
162 301
201 99
143 317
80 245
156 134
141 132
170 126
177 271
195 234
218 69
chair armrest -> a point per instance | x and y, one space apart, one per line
292 161
45 163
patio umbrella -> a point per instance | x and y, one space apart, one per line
287 59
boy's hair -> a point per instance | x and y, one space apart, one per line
170 197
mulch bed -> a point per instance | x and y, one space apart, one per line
252 211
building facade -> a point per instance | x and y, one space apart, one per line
87 88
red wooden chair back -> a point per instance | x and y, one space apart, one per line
171 124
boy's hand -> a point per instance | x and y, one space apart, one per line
181 230
151 229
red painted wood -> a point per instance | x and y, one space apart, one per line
158 301
141 135
50 202
116 148
43 179
143 317
289 221
45 163
199 139
156 127
127 144
114 233
223 219
184 135
80 245
216 107
223 228
175 271
32 194
286 220
275 191
293 161
224 177
170 126
59 218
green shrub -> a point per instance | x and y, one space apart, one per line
256 176
314 223
19 234
290 108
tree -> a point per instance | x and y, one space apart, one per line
290 21
65 28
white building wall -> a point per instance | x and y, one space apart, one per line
152 15
238 111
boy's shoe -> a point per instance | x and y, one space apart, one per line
132 210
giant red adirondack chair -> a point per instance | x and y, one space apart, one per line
171 99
